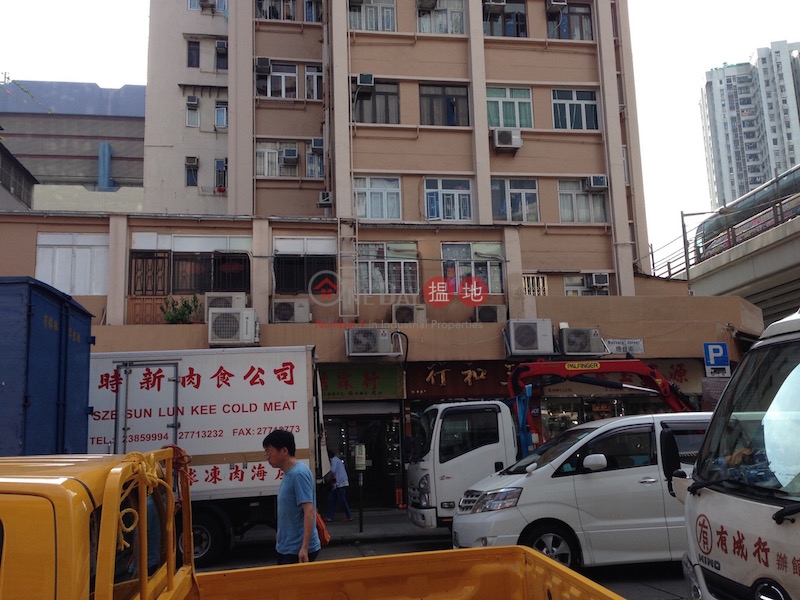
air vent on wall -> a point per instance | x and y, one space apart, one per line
371 341
530 337
291 311
232 326
224 300
491 313
409 313
582 341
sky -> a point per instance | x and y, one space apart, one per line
105 42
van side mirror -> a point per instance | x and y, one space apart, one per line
670 458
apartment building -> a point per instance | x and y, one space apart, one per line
751 121
428 191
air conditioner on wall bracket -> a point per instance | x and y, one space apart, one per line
262 65
232 326
494 5
586 341
287 156
371 341
409 313
325 199
491 313
530 337
507 139
556 5
291 311
426 4
365 80
317 145
224 300
596 280
595 183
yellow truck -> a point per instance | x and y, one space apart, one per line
81 527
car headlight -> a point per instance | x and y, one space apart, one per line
425 491
497 500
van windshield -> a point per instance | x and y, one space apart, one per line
550 450
752 438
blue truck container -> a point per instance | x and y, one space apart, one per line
45 339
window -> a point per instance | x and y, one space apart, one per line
222 58
315 163
200 272
577 206
380 104
575 285
448 199
282 10
221 174
447 17
193 54
192 115
509 107
314 11
575 109
74 263
222 6
464 431
625 449
388 268
194 5
281 82
191 171
474 259
444 105
506 21
302 262
313 82
534 285
221 114
377 197
515 200
373 15
573 22
273 160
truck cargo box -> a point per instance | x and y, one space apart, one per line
44 369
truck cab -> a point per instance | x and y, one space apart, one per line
455 444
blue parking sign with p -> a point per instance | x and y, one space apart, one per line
716 359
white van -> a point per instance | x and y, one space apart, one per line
594 495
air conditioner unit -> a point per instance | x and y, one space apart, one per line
192 102
491 313
595 183
325 199
192 161
372 341
530 337
596 280
317 145
507 139
224 300
232 326
582 341
426 4
494 5
365 80
291 311
208 3
409 313
356 2
222 46
556 5
288 156
262 66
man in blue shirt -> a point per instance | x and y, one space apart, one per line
296 540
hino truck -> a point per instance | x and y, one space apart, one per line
742 501
218 405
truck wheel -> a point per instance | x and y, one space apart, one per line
555 541
210 539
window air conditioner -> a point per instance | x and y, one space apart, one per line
365 80
494 5
232 326
530 337
224 300
192 102
373 341
556 5
192 161
288 156
291 311
409 313
222 46
325 199
582 341
595 183
596 280
426 4
317 145
507 139
356 2
208 3
262 66
491 313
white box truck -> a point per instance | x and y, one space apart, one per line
218 405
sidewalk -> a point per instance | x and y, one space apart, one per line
379 524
